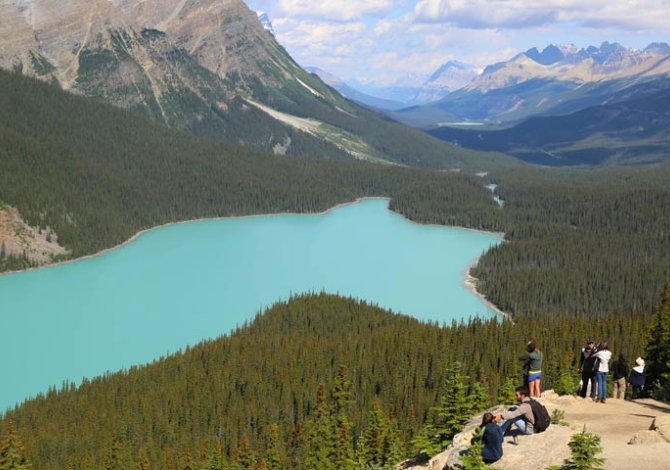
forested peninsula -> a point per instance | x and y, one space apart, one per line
307 384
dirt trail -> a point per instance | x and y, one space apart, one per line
616 422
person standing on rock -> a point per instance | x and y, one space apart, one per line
637 378
492 439
532 359
586 368
602 370
620 375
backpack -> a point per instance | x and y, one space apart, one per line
591 364
541 416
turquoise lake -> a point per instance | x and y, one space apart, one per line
177 285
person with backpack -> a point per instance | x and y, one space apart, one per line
492 439
620 375
637 378
602 369
587 364
529 417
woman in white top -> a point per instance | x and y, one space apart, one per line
603 355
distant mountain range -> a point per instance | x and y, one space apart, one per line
543 82
632 127
406 91
211 68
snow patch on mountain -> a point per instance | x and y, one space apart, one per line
265 21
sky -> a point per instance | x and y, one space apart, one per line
387 42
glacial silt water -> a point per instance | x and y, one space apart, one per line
180 284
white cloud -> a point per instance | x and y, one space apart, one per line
513 14
337 10
389 40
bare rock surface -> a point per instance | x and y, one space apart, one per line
645 424
17 238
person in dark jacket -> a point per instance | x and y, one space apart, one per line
492 439
637 378
620 375
587 362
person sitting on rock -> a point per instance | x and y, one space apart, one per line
521 416
492 439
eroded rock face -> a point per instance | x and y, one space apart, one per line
190 64
18 238
171 60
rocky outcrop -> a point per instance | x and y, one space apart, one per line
17 238
659 432
617 422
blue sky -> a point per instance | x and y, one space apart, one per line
388 41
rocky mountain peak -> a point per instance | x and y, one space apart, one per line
550 55
657 48
265 21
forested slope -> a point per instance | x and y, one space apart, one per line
97 174
579 241
255 394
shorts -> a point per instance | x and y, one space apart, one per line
533 376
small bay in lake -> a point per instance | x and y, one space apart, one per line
177 285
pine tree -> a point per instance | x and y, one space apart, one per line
274 455
144 463
246 457
214 461
584 448
320 435
507 395
455 409
12 452
567 384
376 441
658 348
342 398
114 458
479 398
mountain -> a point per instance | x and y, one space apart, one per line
265 21
204 66
534 83
566 63
351 93
412 89
629 128
449 77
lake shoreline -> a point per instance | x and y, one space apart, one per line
181 222
469 281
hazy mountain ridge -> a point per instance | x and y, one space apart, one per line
631 127
609 61
411 90
353 94
560 78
